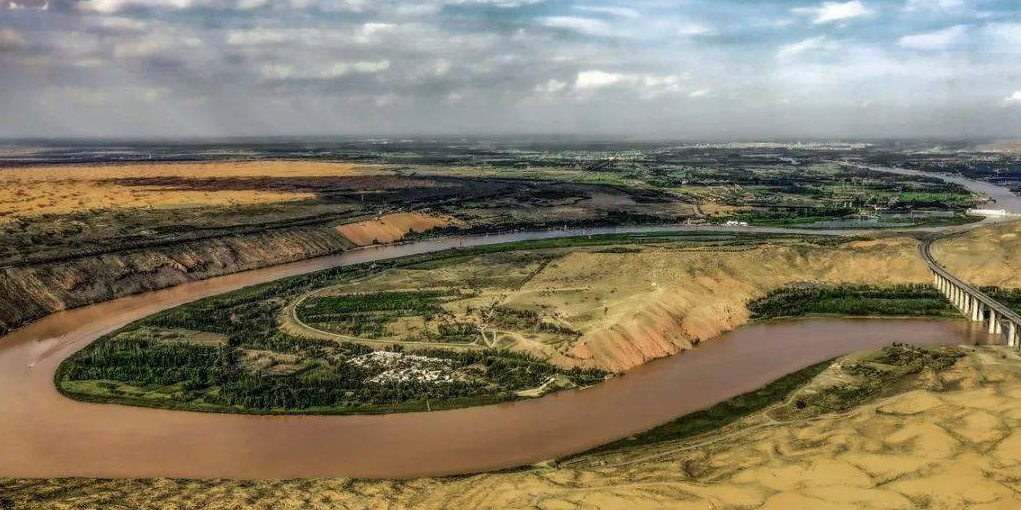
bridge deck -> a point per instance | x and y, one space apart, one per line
1001 310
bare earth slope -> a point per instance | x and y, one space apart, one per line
34 291
984 256
949 442
392 227
634 307
631 303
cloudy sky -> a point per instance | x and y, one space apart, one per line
681 69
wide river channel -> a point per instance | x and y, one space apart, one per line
43 434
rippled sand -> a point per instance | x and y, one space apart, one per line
951 441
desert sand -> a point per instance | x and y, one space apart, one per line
66 189
984 256
392 227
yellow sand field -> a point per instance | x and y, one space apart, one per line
984 256
65 189
393 227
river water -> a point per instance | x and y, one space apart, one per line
999 196
43 434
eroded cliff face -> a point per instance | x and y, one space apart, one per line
636 307
31 292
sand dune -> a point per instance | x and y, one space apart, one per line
984 256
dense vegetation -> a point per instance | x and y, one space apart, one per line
1010 298
367 315
847 299
409 302
147 372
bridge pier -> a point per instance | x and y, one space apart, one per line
994 325
974 304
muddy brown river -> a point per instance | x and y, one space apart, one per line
43 434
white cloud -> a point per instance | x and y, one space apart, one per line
620 12
920 5
154 44
111 6
693 29
441 67
371 67
1004 36
11 40
1013 99
16 5
829 12
252 4
653 86
698 93
788 51
589 26
553 86
937 40
370 29
647 85
596 79
283 71
256 36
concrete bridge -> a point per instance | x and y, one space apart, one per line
973 303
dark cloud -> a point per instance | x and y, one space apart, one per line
653 68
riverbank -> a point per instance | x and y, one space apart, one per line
938 440
566 311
